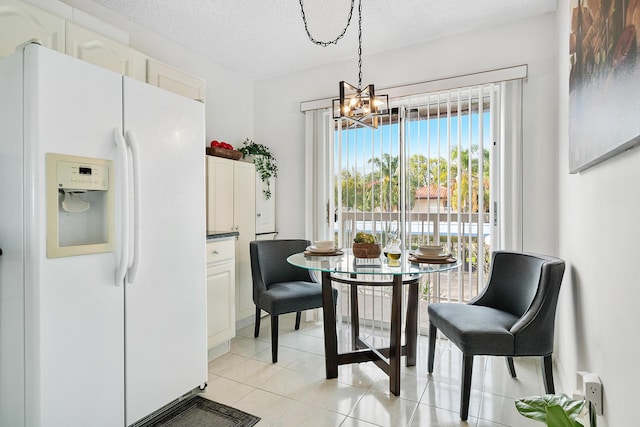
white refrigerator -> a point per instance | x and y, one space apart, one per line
111 327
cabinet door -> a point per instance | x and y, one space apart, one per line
21 22
104 52
244 212
221 321
220 190
265 208
176 81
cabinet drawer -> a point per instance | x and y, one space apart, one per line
220 250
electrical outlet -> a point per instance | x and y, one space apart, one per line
593 391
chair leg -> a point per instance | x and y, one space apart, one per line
256 332
274 339
465 393
298 315
548 375
511 367
432 346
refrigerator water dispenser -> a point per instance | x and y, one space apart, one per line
79 205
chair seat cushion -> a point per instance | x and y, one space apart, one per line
287 297
475 329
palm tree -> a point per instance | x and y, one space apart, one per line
385 182
424 171
351 189
465 195
466 185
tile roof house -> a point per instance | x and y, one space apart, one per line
430 198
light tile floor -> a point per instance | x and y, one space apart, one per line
295 392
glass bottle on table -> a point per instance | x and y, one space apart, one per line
393 250
392 241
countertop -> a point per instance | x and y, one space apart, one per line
213 234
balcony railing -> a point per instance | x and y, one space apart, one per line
464 234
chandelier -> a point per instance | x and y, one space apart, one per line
357 104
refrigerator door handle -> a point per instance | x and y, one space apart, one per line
137 209
121 271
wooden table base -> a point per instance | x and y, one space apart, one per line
388 358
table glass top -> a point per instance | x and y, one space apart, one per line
347 263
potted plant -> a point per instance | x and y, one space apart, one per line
266 164
555 410
365 246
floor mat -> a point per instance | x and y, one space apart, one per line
200 412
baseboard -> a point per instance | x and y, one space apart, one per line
309 315
563 384
219 350
243 323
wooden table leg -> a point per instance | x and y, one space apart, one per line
395 346
411 327
329 320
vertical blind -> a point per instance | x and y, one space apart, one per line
426 172
442 167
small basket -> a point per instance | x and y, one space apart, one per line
223 152
366 250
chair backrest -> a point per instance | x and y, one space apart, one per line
526 285
269 262
513 282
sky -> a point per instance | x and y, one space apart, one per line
427 137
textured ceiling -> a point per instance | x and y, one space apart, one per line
266 38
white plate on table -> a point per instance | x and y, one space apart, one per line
316 250
432 259
436 257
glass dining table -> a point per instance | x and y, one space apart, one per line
345 268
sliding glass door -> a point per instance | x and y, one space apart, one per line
426 173
441 167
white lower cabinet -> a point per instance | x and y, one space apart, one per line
221 291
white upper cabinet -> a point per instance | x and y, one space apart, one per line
265 208
21 22
104 52
166 77
220 194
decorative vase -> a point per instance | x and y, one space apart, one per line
366 250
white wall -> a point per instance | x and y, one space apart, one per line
280 125
229 96
599 239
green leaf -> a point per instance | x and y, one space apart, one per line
536 407
533 407
266 165
556 417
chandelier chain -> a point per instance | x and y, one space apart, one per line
334 41
359 44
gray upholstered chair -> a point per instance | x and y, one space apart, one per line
279 287
513 316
